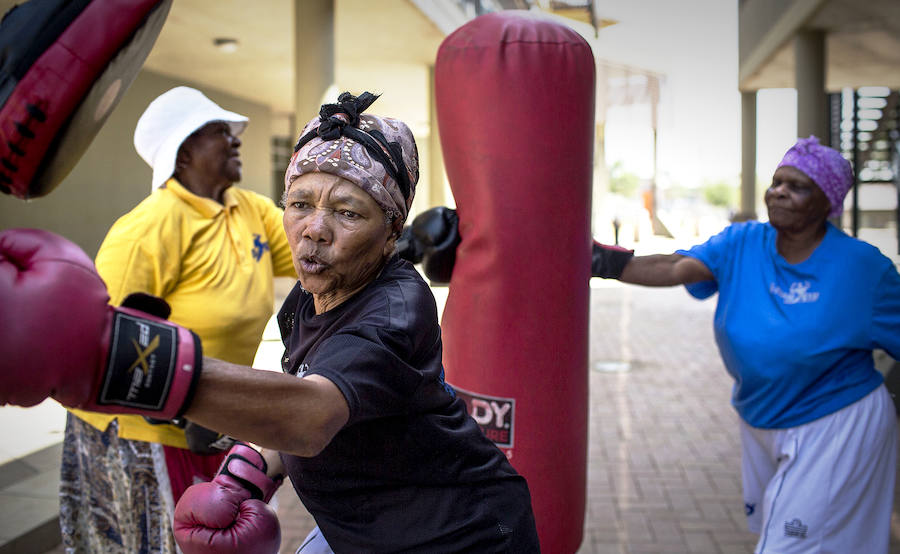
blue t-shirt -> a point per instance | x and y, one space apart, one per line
798 338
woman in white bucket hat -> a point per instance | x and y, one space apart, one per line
172 118
210 250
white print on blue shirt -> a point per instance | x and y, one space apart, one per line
799 293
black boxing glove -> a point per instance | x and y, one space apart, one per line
408 247
608 261
436 231
431 239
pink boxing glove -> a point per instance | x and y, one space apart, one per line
230 514
61 339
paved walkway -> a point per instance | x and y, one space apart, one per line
663 471
664 452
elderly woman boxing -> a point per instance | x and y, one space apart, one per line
801 306
377 445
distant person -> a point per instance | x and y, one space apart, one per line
801 307
211 251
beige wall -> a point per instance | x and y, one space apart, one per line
405 90
111 178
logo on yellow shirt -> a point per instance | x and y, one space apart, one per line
259 247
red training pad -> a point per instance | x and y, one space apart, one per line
60 103
515 107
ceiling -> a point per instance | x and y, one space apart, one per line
863 42
262 67
862 47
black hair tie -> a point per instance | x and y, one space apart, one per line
349 105
332 127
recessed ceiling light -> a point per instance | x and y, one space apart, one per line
226 44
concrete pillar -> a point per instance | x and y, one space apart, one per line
436 175
809 69
602 217
748 157
313 57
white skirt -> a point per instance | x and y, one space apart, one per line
827 485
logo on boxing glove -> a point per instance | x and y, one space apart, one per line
141 357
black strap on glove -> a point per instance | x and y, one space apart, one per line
201 440
148 303
608 261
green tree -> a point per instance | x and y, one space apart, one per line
720 193
621 181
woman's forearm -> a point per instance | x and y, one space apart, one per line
270 409
664 270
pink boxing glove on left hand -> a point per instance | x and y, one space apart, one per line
230 514
60 337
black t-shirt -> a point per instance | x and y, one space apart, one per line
411 471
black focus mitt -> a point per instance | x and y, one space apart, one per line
64 66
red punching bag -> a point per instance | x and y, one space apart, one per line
515 108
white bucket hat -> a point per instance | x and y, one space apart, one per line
170 119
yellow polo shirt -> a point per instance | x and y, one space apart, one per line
213 263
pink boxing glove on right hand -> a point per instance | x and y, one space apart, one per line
230 514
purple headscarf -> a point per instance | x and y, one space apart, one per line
378 154
825 166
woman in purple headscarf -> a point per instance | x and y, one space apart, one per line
801 307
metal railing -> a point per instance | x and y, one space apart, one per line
865 127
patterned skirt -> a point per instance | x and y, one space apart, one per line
116 495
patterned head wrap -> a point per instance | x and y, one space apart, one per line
378 154
825 166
